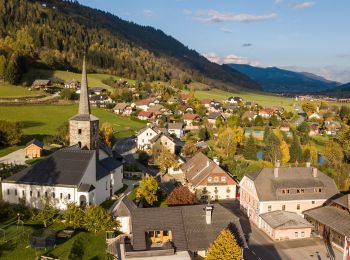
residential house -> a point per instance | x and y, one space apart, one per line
145 115
205 177
207 102
314 129
144 104
266 113
56 81
84 173
213 116
290 189
43 84
164 139
101 100
190 119
249 115
33 148
234 100
315 116
123 109
184 97
332 221
183 232
144 138
173 100
284 127
176 129
72 84
98 90
332 127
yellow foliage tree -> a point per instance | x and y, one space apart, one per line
285 152
107 133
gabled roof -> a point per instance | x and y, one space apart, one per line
280 219
35 142
86 187
144 102
269 187
190 116
41 82
175 126
343 201
159 135
214 115
121 106
64 167
145 114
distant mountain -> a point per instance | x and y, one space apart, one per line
62 31
342 91
284 81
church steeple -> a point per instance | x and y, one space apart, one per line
84 105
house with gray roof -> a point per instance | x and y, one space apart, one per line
168 232
84 173
290 189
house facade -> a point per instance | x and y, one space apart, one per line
33 149
176 129
144 138
292 189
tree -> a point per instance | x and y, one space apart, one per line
203 134
250 151
333 153
98 219
259 121
233 121
13 70
285 156
304 128
62 134
309 108
189 148
47 214
227 141
219 122
107 133
295 150
310 154
78 249
68 94
10 133
2 66
225 247
24 43
272 150
148 190
73 216
181 196
166 160
274 122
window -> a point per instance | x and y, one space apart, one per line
23 193
313 202
45 194
269 208
106 185
68 196
8 191
38 194
61 195
319 190
53 195
283 207
216 179
15 192
30 193
223 179
296 234
298 190
298 206
79 131
283 191
302 190
209 178
302 234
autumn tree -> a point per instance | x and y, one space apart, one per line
107 133
233 121
166 160
98 219
310 154
309 108
333 153
219 122
274 122
285 156
189 148
148 190
225 247
73 216
203 134
250 150
272 149
10 133
228 138
181 196
295 150
47 213
2 66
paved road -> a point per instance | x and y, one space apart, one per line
127 148
16 157
301 114
261 247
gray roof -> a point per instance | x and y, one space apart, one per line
80 117
280 219
269 188
121 106
84 105
214 115
35 142
124 207
187 223
64 167
335 218
343 201
86 187
105 166
175 125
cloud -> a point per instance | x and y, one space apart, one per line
226 30
217 17
303 5
278 1
147 12
247 44
187 11
231 58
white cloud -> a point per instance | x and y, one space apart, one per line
148 12
187 11
217 17
231 58
226 30
303 5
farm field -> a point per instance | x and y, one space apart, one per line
8 90
38 121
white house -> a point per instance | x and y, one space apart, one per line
84 173
176 129
144 138
315 116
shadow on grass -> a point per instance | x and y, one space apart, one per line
28 124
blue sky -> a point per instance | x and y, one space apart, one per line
295 34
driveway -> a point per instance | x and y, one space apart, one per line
261 247
301 115
16 157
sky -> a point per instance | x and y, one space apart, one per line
310 36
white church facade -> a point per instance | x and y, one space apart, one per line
85 173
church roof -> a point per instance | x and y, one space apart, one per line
84 106
64 167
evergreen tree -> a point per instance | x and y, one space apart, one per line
2 66
250 150
267 132
295 150
12 72
274 122
225 247
203 134
259 121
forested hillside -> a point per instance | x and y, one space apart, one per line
55 34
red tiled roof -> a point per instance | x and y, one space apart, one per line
145 114
190 116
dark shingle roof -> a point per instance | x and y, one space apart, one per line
280 219
343 201
268 187
64 167
36 142
336 219
86 187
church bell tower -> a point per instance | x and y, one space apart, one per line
84 127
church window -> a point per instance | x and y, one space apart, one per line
38 194
298 206
53 195
8 191
106 185
22 193
30 193
15 192
68 196
269 208
283 207
61 195
45 194
79 131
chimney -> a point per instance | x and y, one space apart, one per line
216 160
308 164
275 170
208 163
208 213
314 172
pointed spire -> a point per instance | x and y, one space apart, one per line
84 105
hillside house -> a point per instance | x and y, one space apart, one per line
144 138
123 109
205 177
249 115
145 115
42 84
101 100
213 116
98 91
176 129
72 84
34 148
190 119
332 127
145 104
266 113
315 116
234 100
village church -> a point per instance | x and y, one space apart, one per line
85 173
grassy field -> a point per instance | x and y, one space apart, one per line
38 121
8 90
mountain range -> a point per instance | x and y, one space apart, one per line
278 80
63 31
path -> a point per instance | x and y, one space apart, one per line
16 157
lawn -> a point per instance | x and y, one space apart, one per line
38 121
8 90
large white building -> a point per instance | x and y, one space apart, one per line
84 173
